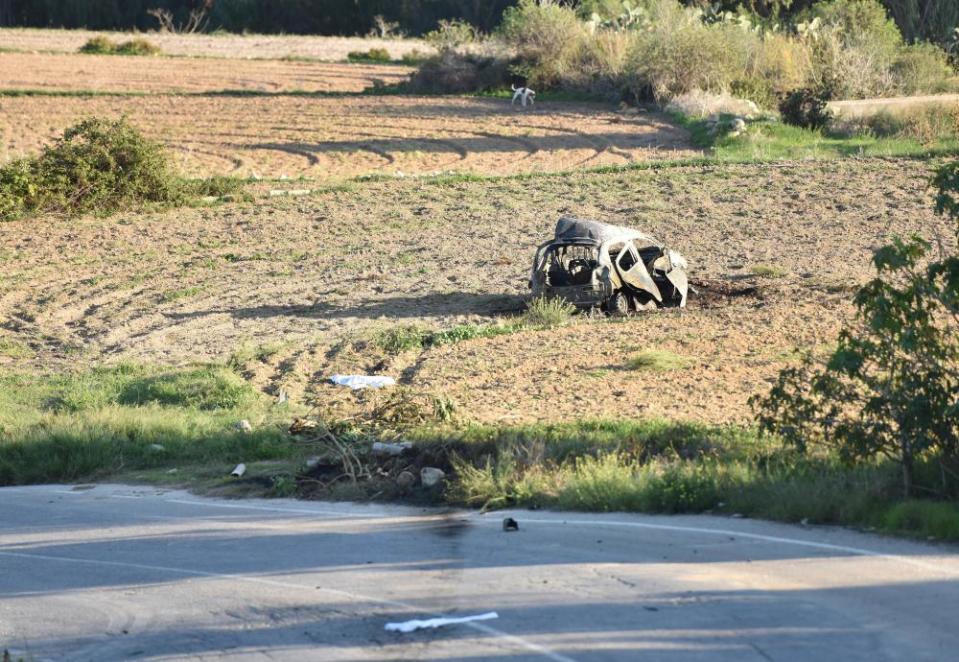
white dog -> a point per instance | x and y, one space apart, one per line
524 94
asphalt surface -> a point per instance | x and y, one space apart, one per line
116 572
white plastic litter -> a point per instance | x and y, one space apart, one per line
357 382
239 471
410 626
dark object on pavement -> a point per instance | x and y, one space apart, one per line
510 524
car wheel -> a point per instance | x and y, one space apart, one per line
618 305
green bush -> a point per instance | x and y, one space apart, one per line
451 72
415 57
96 166
99 46
372 55
138 47
450 35
925 124
103 46
546 36
891 388
921 68
805 108
679 53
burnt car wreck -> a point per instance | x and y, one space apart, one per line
620 270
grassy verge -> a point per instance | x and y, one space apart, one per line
128 417
772 140
178 426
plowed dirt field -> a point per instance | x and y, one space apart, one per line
118 74
310 276
239 46
328 138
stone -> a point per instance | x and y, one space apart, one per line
431 476
405 480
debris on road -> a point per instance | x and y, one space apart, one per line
510 524
596 265
357 382
239 470
412 626
430 476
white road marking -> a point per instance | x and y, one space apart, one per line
859 551
516 640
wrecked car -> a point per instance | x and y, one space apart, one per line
597 265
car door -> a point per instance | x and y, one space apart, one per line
633 272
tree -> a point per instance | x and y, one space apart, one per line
891 387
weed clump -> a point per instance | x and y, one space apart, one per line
545 313
103 46
372 55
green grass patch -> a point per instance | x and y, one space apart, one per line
127 417
14 349
540 314
182 293
767 271
657 360
772 140
400 339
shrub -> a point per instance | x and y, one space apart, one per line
137 47
891 388
450 35
372 55
96 166
921 68
926 124
415 56
99 46
854 49
450 72
679 54
778 64
103 46
546 37
806 108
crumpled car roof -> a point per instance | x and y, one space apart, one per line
570 230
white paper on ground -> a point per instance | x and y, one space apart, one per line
356 382
410 626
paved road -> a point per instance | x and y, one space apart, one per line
116 573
